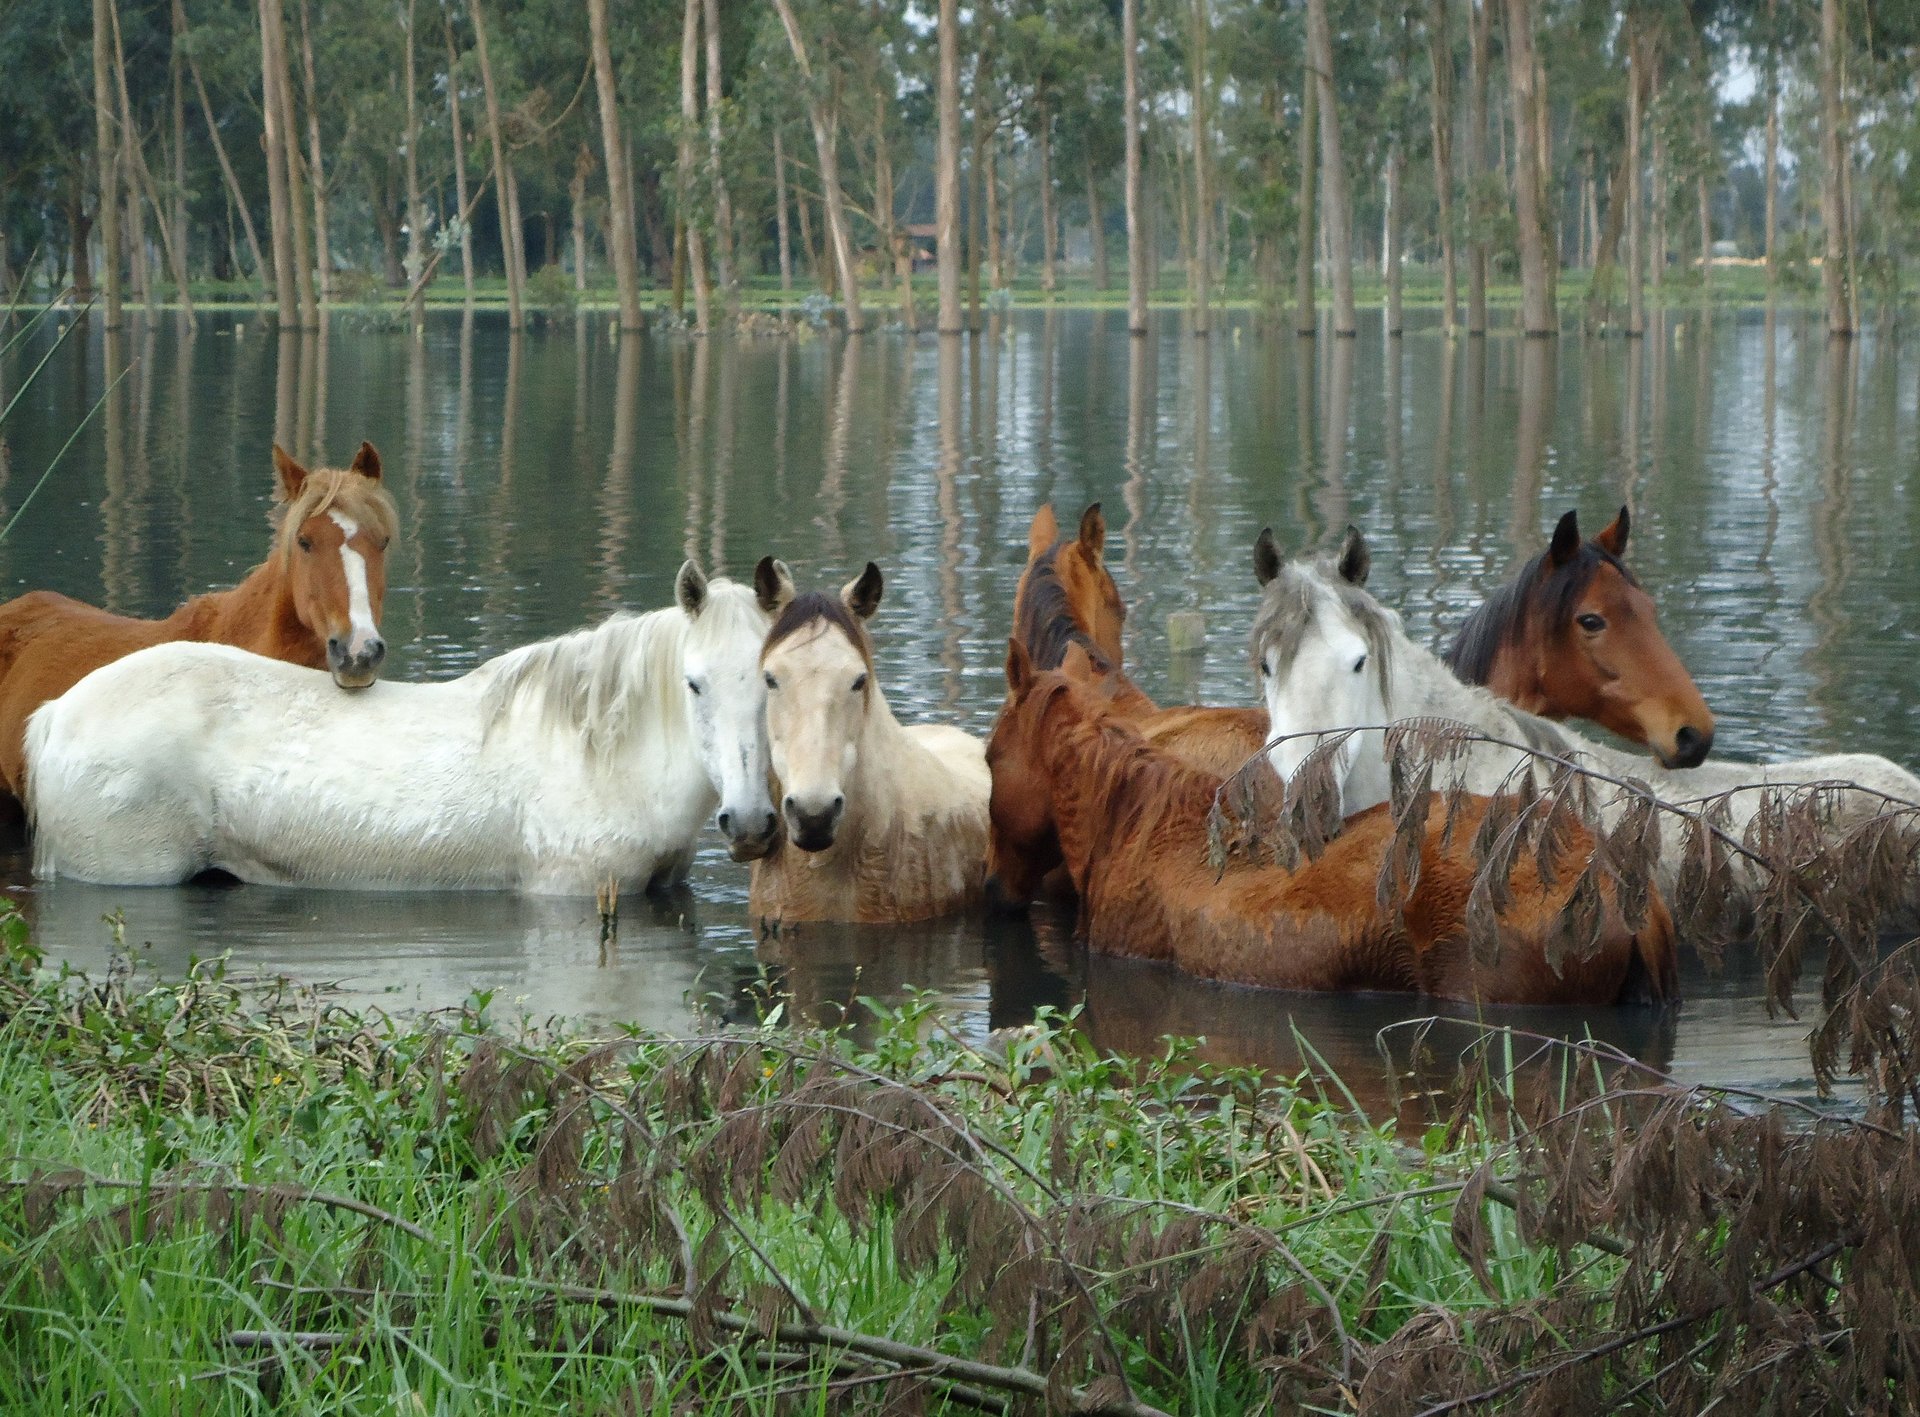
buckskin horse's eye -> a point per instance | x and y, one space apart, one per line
772 683
859 684
1592 624
306 543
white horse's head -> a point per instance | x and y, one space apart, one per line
820 692
1321 650
726 698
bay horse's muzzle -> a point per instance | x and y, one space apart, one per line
355 666
1690 747
813 830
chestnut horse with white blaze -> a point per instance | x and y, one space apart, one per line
553 769
1572 635
1075 783
885 823
315 601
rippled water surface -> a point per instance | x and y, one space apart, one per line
547 481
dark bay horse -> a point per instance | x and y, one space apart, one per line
1572 635
1076 783
314 601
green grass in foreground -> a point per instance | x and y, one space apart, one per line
226 1199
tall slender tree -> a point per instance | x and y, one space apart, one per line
946 220
825 123
1538 253
1440 93
623 251
1338 206
1136 215
107 156
1835 156
513 254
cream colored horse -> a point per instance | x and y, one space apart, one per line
884 823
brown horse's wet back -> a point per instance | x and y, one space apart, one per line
1132 824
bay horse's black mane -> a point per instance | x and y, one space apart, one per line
1531 597
1046 624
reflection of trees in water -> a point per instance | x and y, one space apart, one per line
116 533
1443 521
721 469
615 503
832 500
1141 443
952 526
1330 503
501 593
1831 515
1534 426
692 428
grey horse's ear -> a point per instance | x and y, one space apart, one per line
1266 556
1566 540
690 588
773 584
1355 561
862 594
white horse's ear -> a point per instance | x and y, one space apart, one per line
1093 530
366 462
690 588
1566 540
773 583
292 476
1613 538
1355 560
862 594
1266 556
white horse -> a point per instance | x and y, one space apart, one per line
553 769
1330 657
884 823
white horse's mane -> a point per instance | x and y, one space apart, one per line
605 682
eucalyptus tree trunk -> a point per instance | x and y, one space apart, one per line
301 255
1306 300
996 258
316 172
1440 58
1706 233
1538 249
416 213
107 155
1478 62
1096 231
716 175
177 149
1773 152
1637 47
826 143
281 202
946 203
512 246
1396 198
1835 268
1200 273
780 211
459 162
1333 172
577 203
1136 217
1049 238
624 254
976 178
140 180
696 243
239 198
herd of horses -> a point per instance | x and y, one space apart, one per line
149 752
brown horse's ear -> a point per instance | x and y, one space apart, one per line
1266 556
773 583
1093 530
1566 540
690 588
1613 538
292 476
1355 559
862 594
1078 665
1044 531
366 462
1019 667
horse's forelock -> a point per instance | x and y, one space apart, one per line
1288 609
821 611
364 499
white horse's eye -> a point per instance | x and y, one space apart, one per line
1359 664
859 684
1266 670
693 686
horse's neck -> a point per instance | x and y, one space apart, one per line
1086 753
258 615
894 771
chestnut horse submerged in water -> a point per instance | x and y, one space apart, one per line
1571 635
315 601
1075 782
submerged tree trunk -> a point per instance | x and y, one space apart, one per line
781 220
946 215
280 200
107 156
1096 232
716 175
826 143
1773 153
1333 172
316 172
512 245
1307 316
1200 273
1396 198
261 270
1538 247
1637 54
1480 43
416 210
1440 58
624 253
1834 157
696 244
459 163
1136 217
577 204
1049 240
177 151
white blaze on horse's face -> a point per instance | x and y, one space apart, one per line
726 704
355 658
818 685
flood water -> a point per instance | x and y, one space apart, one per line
547 481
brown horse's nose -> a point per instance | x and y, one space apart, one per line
1691 746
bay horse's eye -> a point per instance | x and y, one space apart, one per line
859 684
772 683
1592 624
306 543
